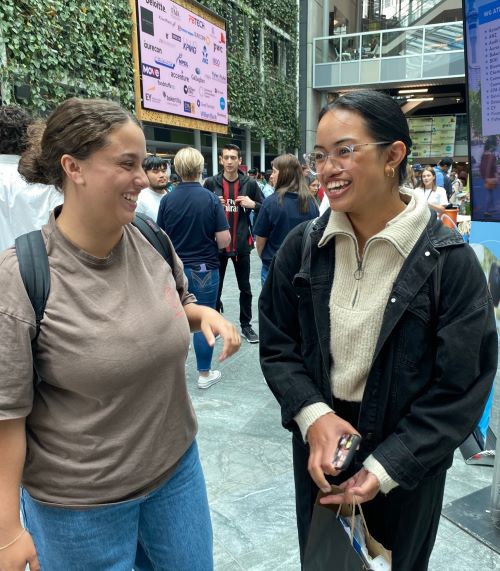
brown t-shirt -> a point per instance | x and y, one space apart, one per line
112 415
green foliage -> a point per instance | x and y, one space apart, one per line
62 48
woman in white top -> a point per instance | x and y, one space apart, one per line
435 195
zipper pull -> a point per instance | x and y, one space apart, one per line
358 274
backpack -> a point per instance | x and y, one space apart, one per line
34 263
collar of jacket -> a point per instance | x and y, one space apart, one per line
416 270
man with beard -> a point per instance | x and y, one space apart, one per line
156 170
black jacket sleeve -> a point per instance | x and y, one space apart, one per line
442 417
255 194
281 357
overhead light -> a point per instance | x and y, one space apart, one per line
404 91
422 99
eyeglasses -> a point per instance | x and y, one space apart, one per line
340 158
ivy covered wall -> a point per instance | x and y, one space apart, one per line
61 48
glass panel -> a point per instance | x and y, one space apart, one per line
370 46
443 39
408 42
398 69
349 48
327 75
327 50
349 73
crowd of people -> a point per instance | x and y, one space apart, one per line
361 316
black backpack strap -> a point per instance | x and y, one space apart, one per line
34 268
155 236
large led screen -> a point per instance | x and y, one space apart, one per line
183 64
482 18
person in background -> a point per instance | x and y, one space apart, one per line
194 220
442 178
290 205
173 182
23 207
156 170
239 195
353 340
434 195
313 187
104 445
268 188
417 169
489 173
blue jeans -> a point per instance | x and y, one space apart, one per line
171 525
263 274
204 285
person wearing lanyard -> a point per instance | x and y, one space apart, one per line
435 195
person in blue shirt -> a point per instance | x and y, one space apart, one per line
290 205
195 221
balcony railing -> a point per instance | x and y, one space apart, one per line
394 56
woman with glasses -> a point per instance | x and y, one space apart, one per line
361 326
290 205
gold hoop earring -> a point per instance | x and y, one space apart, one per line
393 172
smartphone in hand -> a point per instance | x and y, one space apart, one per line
348 444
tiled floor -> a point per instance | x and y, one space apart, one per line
246 455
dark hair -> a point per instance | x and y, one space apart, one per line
310 178
253 171
14 122
291 179
267 174
174 178
446 161
77 127
154 162
431 170
491 143
383 117
230 147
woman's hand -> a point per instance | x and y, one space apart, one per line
323 437
364 485
19 554
211 323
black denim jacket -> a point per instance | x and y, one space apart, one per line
434 362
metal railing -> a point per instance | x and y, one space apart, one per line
433 51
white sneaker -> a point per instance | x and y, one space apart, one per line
212 378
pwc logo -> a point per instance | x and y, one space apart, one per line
196 22
150 71
218 48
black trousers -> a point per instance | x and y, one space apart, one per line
404 521
242 270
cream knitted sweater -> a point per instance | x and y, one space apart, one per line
360 292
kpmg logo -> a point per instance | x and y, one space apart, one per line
153 48
196 22
222 103
176 37
204 58
182 62
216 61
218 48
189 47
150 71
188 90
188 107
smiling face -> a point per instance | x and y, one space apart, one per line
110 180
362 185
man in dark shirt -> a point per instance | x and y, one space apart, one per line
240 196
442 178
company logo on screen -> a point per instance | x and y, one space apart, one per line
222 38
218 48
166 84
188 90
209 116
157 5
176 37
180 76
197 78
165 63
204 58
182 62
216 61
196 22
167 21
153 48
189 47
222 103
219 77
150 71
204 92
173 100
174 12
188 107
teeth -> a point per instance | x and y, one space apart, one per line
131 197
337 184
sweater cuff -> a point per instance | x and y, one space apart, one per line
310 414
375 467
